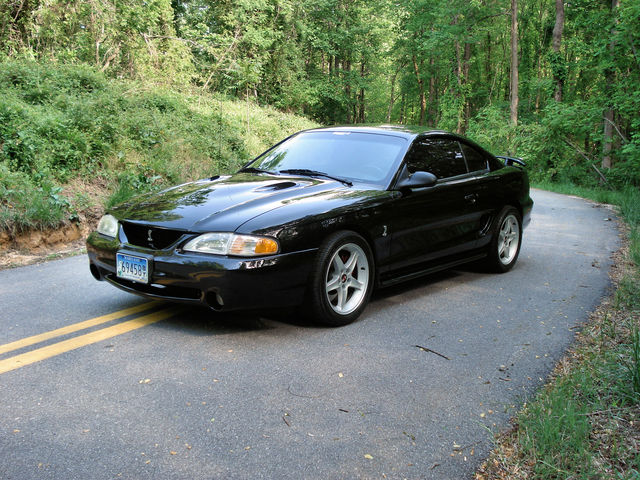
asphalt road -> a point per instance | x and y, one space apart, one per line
160 394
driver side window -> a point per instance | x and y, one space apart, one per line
439 156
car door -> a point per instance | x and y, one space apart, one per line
481 190
433 223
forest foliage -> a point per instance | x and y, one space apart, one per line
554 82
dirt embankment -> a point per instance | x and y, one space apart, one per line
38 245
34 246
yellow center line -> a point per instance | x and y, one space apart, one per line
80 341
25 342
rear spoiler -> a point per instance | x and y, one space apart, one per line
509 161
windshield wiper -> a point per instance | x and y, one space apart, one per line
255 170
314 173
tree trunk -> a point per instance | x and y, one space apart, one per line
391 97
459 81
514 62
557 41
432 94
487 64
361 107
423 100
465 79
609 114
347 90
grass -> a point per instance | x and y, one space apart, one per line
585 424
60 122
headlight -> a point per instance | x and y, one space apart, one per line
232 244
108 226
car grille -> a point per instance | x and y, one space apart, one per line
150 237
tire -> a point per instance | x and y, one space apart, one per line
506 240
341 279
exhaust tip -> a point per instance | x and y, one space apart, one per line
214 301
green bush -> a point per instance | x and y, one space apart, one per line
26 205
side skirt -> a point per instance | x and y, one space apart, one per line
427 271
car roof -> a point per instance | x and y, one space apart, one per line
405 131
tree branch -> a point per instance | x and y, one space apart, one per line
185 40
18 11
215 69
584 155
617 130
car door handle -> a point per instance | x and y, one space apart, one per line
471 198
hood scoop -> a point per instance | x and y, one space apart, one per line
274 187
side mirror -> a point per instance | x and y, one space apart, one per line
418 180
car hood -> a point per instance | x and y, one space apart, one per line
223 203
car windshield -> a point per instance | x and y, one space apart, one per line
355 156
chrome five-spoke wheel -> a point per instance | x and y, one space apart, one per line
347 278
508 239
504 247
341 280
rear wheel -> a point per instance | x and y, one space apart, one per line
341 279
506 240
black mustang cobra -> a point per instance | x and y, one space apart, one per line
319 220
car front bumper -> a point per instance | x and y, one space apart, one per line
219 282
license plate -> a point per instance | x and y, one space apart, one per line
132 268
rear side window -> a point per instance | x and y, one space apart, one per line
439 156
475 160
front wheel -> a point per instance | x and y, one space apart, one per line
505 241
341 280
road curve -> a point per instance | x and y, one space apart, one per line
92 389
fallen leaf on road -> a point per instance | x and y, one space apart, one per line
368 457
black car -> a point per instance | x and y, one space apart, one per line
319 220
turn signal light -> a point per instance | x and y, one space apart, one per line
226 243
249 245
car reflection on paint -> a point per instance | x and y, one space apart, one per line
320 220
